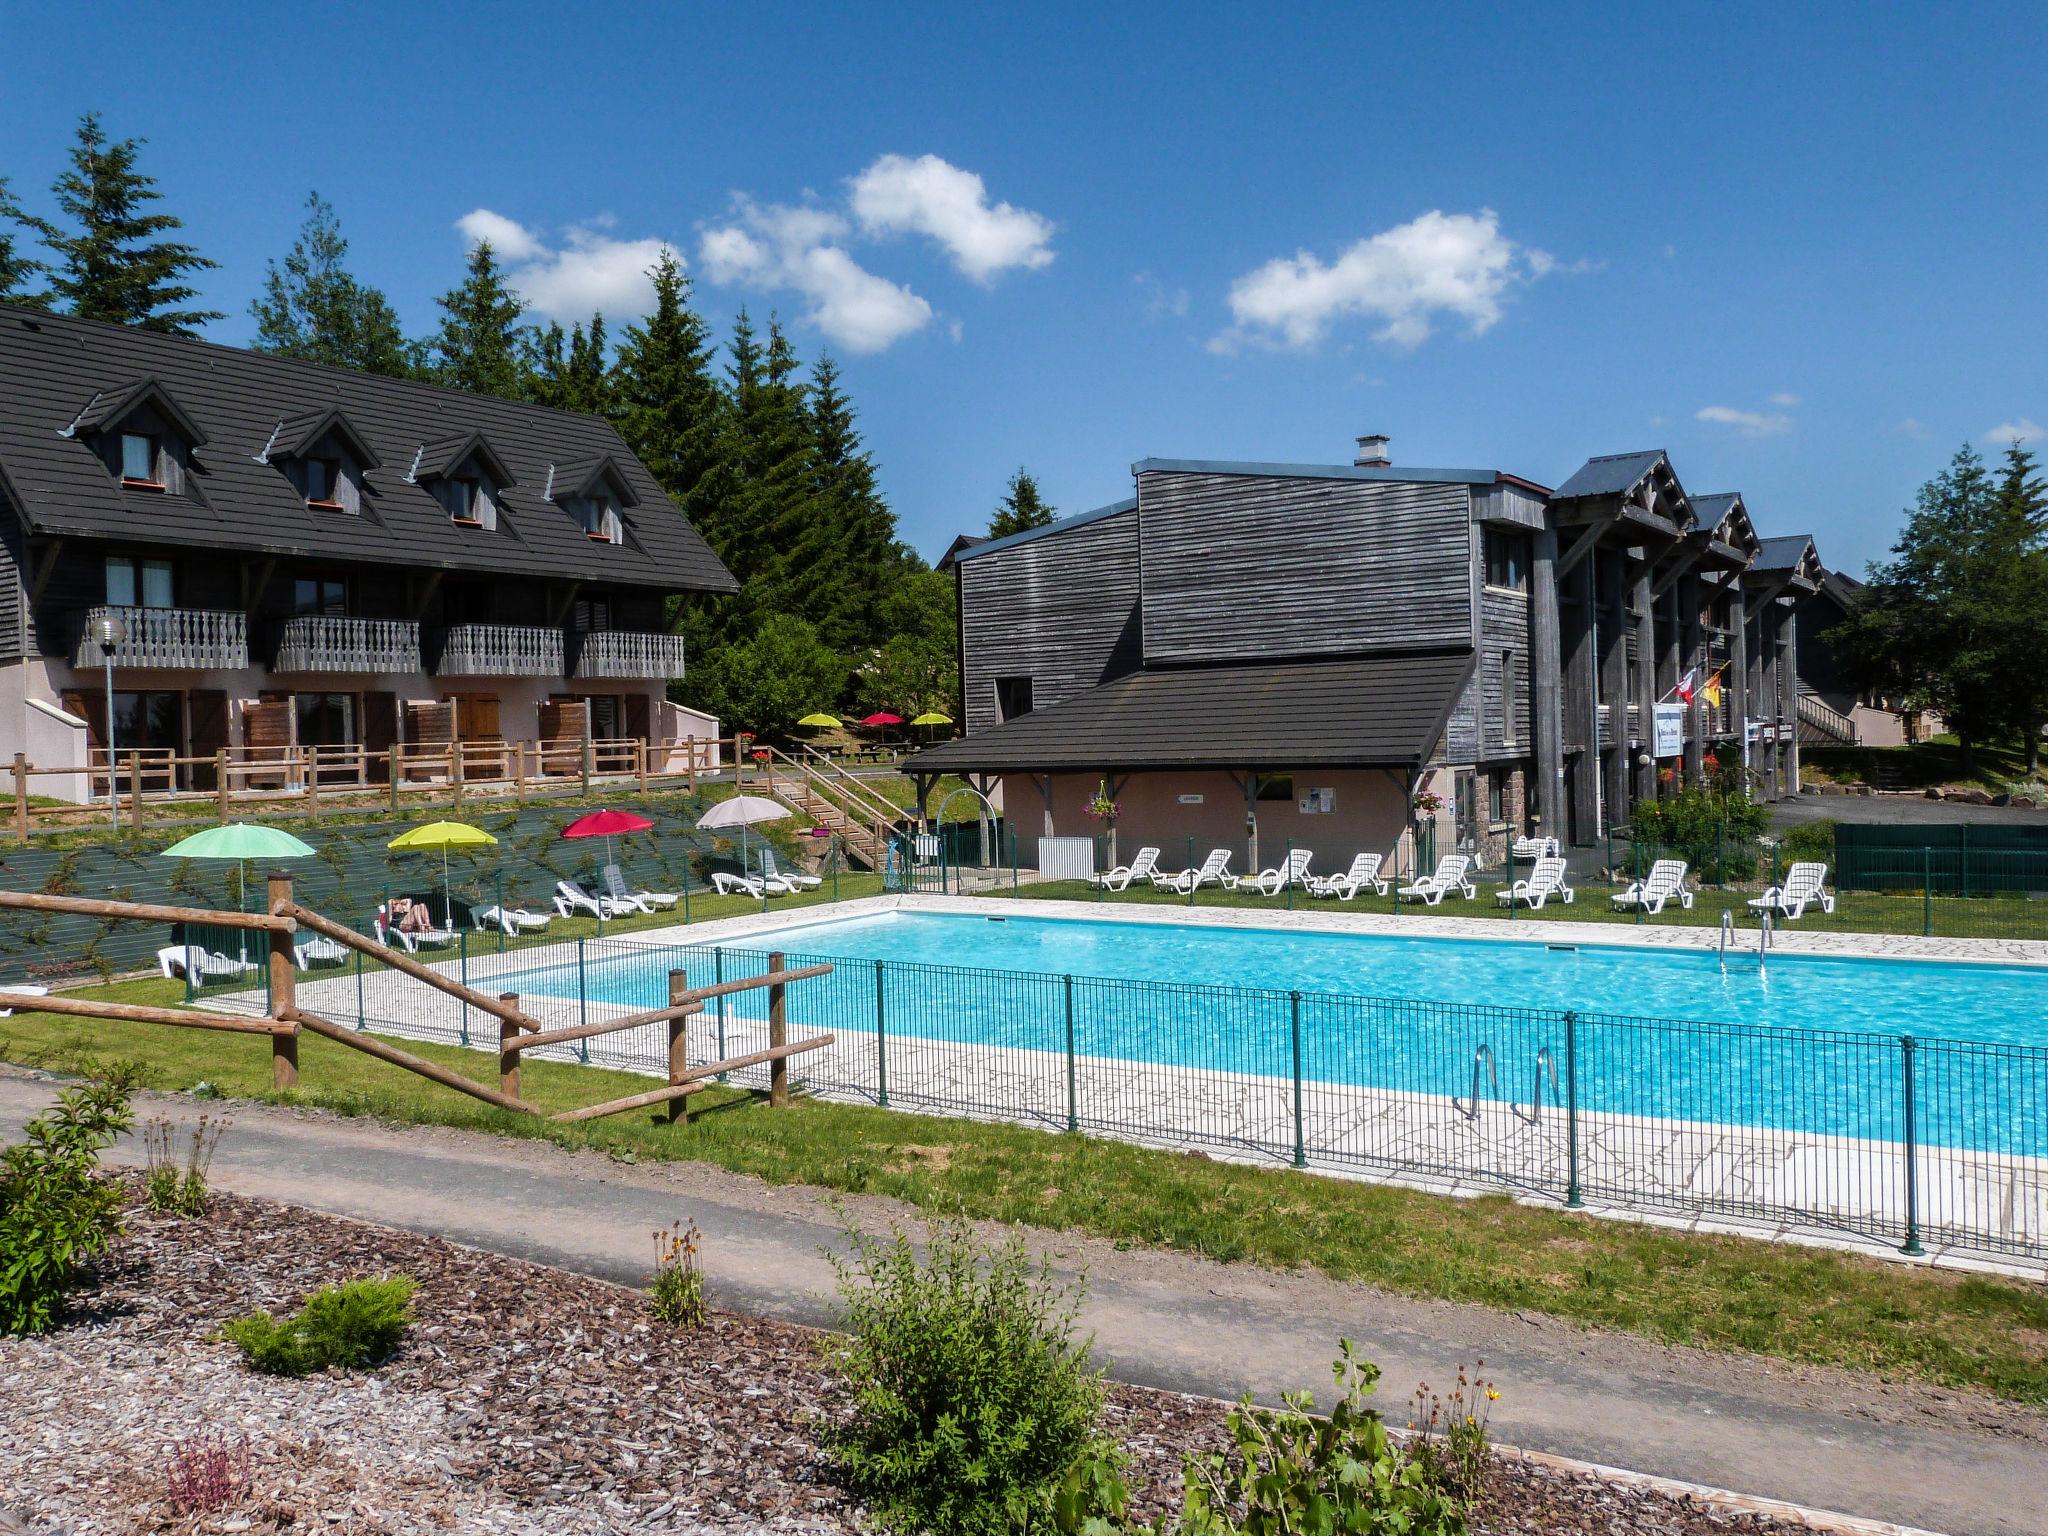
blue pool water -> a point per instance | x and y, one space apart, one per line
1809 1043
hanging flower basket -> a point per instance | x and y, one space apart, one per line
1102 807
1428 804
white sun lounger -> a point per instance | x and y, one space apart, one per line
1665 881
1805 884
1214 870
25 988
726 883
410 942
511 920
319 950
637 901
1545 881
1120 878
571 898
1450 876
1271 882
1363 873
200 964
772 870
1527 848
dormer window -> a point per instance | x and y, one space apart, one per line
593 492
459 499
601 520
138 459
466 476
322 483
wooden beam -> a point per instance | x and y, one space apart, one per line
341 933
1581 547
369 1045
284 980
144 911
669 1015
136 1013
46 566
646 1100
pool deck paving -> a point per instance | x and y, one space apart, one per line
1934 1459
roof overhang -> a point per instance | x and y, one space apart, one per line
582 476
438 460
109 408
297 434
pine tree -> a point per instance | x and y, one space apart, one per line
852 531
313 307
111 265
2018 562
1020 509
567 371
665 401
481 347
16 265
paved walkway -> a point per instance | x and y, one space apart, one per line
1945 1461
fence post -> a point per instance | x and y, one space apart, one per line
397 757
1912 1243
718 974
1287 874
589 756
1635 846
499 879
283 979
508 1061
641 755
678 1048
1927 892
1512 903
881 1043
21 797
220 785
1294 1032
1190 868
462 950
1073 1104
778 1035
135 794
519 773
582 986
313 785
686 890
1572 1198
360 1024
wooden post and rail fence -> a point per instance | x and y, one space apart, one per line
518 1031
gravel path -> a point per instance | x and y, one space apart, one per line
525 1400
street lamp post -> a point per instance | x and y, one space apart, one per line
110 633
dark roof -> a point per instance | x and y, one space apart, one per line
1782 553
296 434
53 366
1714 506
1364 711
1397 473
1840 588
579 477
109 407
1057 526
959 547
1612 474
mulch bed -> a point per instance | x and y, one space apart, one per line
525 1400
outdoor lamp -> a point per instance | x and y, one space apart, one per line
109 631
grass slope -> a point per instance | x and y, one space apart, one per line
1799 1304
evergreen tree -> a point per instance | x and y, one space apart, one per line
111 265
665 401
481 347
16 265
852 531
1021 508
568 371
2019 560
313 307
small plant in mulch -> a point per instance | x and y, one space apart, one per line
679 1276
206 1472
56 1213
175 1186
351 1326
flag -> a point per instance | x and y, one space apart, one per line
1685 688
1713 691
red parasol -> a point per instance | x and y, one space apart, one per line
882 717
607 824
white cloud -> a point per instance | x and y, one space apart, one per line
586 272
1161 302
929 196
1783 399
1440 264
2023 431
1748 423
773 245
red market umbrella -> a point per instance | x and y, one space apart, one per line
607 825
882 717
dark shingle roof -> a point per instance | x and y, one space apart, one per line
1057 526
960 545
1395 472
1782 553
1714 506
52 366
1612 474
1369 711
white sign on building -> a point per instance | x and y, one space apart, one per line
1668 731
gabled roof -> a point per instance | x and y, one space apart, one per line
959 547
1395 473
296 434
1783 553
442 457
1612 474
1355 712
110 407
52 366
1050 530
1725 517
579 477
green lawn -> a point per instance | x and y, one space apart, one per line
1920 766
1718 1292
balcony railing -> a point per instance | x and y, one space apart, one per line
329 643
627 653
172 638
500 650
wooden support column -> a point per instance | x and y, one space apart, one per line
1580 699
284 1045
778 1036
1767 689
1789 698
1044 782
21 797
1738 664
678 1048
1693 658
1546 690
1645 691
508 1060
1251 822
1614 687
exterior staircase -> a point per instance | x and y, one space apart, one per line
856 813
1821 725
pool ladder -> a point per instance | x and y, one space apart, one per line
1483 1062
1763 939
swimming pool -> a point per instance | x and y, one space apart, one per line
1810 1043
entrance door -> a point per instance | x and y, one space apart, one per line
207 710
380 730
1466 792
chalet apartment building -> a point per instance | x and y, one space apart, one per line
1256 654
290 555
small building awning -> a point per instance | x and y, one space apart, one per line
1355 712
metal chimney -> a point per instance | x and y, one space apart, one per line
1372 452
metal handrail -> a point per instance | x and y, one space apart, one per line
1545 1057
1763 942
1727 934
1483 1057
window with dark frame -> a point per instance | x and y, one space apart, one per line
322 476
326 596
601 520
1510 700
1507 560
1496 798
138 458
133 583
1013 697
458 499
1276 786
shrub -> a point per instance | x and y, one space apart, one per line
353 1326
970 1397
678 1277
56 1216
206 1472
167 1187
1713 827
1809 840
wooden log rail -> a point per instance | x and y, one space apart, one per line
369 1045
144 911
695 1079
682 1005
399 961
180 1018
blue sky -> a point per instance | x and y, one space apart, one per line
1800 246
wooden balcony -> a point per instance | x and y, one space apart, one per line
178 639
626 653
500 650
328 643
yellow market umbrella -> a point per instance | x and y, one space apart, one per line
932 717
821 720
444 835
